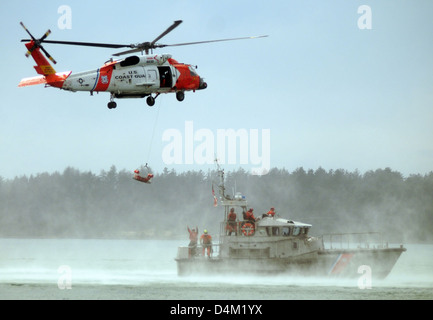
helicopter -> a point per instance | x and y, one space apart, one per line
137 76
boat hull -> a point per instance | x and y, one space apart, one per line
348 263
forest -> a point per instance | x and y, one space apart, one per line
75 204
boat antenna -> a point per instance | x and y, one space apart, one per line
220 173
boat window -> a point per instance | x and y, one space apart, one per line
296 231
275 231
285 231
262 231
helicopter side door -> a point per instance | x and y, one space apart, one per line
151 76
165 77
126 79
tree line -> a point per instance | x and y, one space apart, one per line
111 204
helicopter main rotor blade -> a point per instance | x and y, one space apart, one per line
169 29
207 41
88 44
128 51
145 46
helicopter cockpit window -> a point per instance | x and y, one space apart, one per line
130 61
192 71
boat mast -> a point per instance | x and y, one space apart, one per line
220 173
226 201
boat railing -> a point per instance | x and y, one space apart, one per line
237 228
358 240
184 251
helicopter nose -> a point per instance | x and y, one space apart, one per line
202 85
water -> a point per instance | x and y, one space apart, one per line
145 269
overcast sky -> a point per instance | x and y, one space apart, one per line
332 87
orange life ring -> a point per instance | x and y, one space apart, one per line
248 229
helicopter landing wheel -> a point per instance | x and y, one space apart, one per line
112 105
150 101
180 95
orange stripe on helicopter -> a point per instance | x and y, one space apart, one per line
186 80
104 78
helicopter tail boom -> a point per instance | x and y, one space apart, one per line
47 73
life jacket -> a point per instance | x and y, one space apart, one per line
232 216
207 239
249 215
271 213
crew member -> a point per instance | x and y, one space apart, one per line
192 246
206 242
271 212
231 222
249 215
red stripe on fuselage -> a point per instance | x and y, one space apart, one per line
104 78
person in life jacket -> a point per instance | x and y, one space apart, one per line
271 212
142 179
206 242
231 222
249 215
192 246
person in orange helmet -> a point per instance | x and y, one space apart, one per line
249 215
271 212
206 242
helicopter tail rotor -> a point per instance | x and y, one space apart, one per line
37 43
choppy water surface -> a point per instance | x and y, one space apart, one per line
145 269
